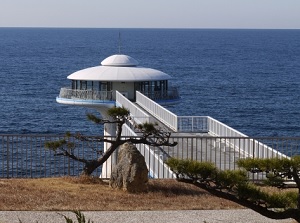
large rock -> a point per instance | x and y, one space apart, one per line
130 173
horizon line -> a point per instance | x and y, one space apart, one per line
187 28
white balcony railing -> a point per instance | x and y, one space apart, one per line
69 93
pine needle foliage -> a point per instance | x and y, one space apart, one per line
235 183
278 170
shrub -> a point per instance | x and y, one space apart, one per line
194 170
283 200
227 179
202 171
275 168
177 166
251 192
254 194
273 180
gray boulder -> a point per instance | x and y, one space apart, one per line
130 173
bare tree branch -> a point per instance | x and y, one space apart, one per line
149 134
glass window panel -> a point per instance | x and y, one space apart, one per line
83 85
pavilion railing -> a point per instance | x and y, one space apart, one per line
68 93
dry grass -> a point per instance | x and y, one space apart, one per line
275 190
70 193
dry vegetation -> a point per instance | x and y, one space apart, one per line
71 193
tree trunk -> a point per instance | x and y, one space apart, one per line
298 206
90 167
297 181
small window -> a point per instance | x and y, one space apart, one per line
89 85
96 86
83 85
73 85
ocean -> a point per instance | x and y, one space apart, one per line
247 79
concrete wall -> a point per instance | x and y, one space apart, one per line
125 88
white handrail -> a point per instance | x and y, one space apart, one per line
218 128
136 113
252 148
159 112
155 164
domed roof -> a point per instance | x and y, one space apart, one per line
120 60
119 68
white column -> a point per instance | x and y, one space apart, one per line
109 131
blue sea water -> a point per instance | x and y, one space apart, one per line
248 79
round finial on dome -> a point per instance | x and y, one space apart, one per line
120 60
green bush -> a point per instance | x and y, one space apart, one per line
179 167
237 180
201 170
283 200
273 180
277 170
254 194
251 192
192 169
205 172
228 179
281 167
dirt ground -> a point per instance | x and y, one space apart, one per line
72 193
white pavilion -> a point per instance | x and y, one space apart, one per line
96 88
